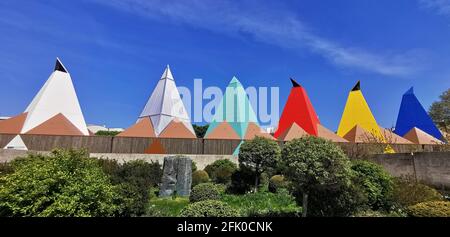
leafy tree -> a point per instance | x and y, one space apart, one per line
260 154
135 178
376 184
107 133
200 131
440 111
65 183
317 167
220 171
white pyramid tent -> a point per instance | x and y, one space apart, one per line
16 143
57 96
165 105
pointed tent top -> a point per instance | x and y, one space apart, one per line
410 91
294 83
167 74
234 82
59 66
357 87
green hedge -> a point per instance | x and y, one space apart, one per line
204 191
209 208
199 177
430 209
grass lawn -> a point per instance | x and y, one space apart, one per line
166 207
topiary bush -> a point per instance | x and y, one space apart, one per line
377 185
260 155
62 184
430 209
408 192
205 191
209 208
322 176
220 171
277 182
199 177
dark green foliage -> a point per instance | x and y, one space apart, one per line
106 133
277 183
260 154
5 168
198 177
340 200
136 177
204 191
220 171
263 204
242 181
194 166
440 111
376 184
65 183
430 209
320 169
200 131
408 192
209 208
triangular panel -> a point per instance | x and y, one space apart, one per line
57 96
412 114
299 110
16 144
357 112
143 128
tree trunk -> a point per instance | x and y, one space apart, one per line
256 182
305 204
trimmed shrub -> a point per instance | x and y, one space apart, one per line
408 192
376 184
260 155
198 177
430 209
371 213
277 182
322 175
264 204
63 184
205 191
209 208
221 170
107 133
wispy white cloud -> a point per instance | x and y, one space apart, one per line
273 25
440 6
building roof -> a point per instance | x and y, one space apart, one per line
357 112
412 114
298 109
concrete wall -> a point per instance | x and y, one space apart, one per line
201 161
432 168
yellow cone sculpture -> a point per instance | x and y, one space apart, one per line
357 112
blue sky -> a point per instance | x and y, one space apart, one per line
116 50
